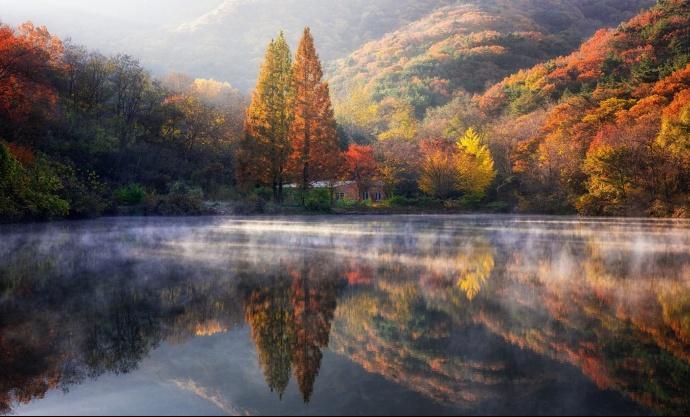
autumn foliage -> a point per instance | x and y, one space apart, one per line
612 140
315 151
28 58
290 127
361 166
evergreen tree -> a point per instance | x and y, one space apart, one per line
266 148
315 150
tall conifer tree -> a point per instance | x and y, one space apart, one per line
266 147
315 150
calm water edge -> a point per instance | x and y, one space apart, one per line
346 315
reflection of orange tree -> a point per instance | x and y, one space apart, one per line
29 368
291 320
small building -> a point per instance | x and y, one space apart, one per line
348 190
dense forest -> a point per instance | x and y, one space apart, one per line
474 106
603 130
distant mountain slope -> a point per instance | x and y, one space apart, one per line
645 49
606 129
228 42
472 44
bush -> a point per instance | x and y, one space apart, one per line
256 200
353 204
318 199
498 207
83 190
264 193
130 195
225 193
29 193
399 201
470 201
426 202
42 198
182 199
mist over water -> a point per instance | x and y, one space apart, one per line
338 315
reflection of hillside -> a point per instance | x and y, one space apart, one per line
620 316
618 328
394 332
620 319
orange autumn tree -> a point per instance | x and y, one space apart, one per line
315 150
28 57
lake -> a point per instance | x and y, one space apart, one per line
353 315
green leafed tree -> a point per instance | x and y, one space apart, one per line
28 193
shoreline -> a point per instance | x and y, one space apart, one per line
340 213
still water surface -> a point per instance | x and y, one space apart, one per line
346 315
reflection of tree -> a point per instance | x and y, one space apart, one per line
28 369
314 302
291 322
268 312
621 319
122 332
475 266
88 316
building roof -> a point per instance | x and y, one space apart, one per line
322 184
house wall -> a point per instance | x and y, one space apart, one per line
350 191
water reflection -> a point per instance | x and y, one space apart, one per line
290 311
477 314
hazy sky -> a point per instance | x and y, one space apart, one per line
99 23
125 10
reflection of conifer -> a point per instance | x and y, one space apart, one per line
314 302
268 312
290 325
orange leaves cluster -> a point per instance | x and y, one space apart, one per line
27 58
24 155
361 166
315 150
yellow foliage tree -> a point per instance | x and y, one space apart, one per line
474 164
358 111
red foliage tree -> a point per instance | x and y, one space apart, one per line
361 166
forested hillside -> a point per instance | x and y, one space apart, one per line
471 44
606 129
600 131
603 130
